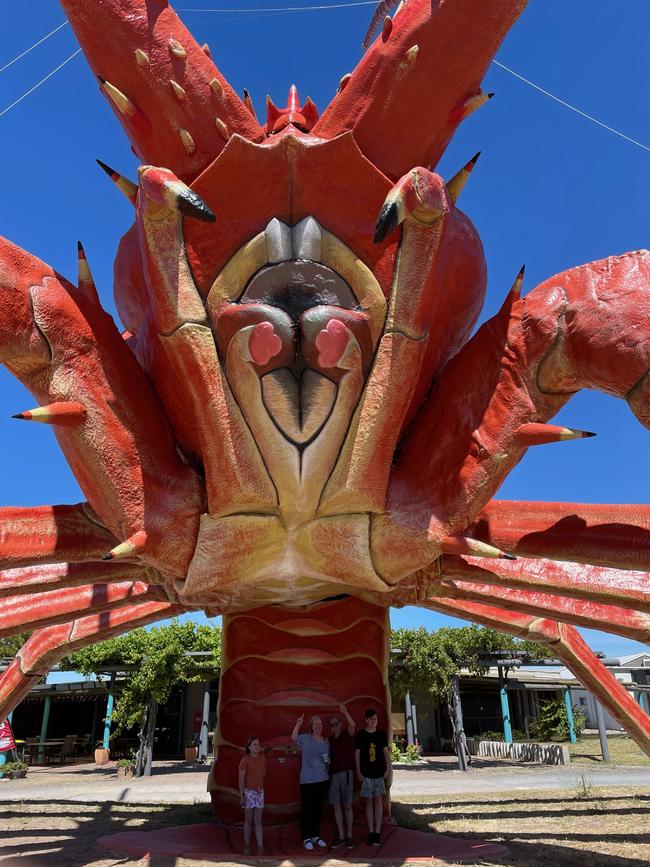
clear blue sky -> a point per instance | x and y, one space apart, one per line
551 190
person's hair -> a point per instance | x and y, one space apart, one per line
312 721
250 741
370 712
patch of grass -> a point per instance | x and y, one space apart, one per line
622 751
561 828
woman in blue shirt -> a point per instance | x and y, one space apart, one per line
314 779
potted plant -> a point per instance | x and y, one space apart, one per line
102 755
191 752
13 770
125 769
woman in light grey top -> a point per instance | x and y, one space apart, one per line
314 779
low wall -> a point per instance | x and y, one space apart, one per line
543 754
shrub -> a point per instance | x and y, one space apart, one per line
9 768
394 752
413 752
552 723
125 763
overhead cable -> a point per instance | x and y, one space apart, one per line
38 84
572 107
31 47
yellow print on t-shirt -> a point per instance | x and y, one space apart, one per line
372 753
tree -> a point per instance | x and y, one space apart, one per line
160 661
427 660
11 645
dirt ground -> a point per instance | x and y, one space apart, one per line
582 827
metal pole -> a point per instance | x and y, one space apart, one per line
523 700
505 707
93 728
414 716
458 723
180 735
602 731
569 713
109 713
410 737
203 740
44 725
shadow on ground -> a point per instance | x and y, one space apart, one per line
64 834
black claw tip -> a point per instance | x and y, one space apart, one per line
19 416
588 433
386 222
192 205
505 556
107 169
108 556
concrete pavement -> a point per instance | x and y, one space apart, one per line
176 783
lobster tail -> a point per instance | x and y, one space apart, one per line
419 80
175 106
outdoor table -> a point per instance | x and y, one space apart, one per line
35 751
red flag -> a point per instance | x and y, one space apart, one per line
7 741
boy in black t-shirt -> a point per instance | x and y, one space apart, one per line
372 759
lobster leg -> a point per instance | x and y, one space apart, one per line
585 328
180 353
567 644
617 536
66 349
50 534
611 587
36 579
579 612
23 613
46 646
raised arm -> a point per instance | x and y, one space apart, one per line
351 726
296 728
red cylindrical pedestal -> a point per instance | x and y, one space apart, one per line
278 663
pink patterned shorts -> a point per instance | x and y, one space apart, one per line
253 799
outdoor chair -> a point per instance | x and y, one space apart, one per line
66 752
30 750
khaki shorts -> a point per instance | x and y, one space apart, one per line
373 787
342 787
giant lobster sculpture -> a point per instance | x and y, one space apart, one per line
295 429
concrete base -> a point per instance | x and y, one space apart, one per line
208 842
543 754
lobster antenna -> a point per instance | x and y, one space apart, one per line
381 11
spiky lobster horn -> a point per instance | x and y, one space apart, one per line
174 104
419 80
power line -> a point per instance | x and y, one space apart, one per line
572 107
31 47
286 8
38 84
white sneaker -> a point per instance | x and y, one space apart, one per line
308 845
319 842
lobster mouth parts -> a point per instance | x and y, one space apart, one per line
299 405
304 306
